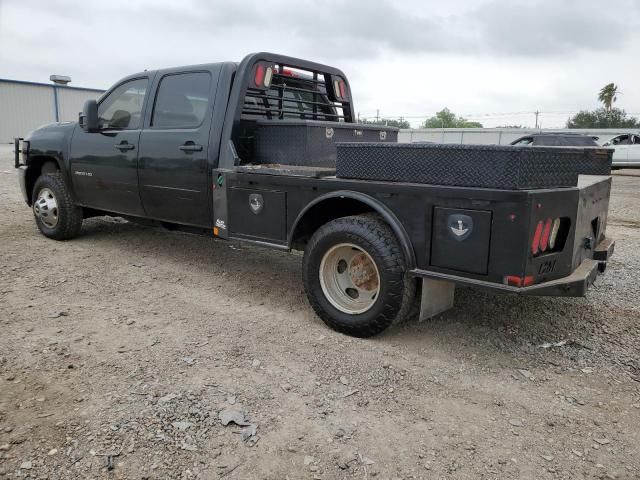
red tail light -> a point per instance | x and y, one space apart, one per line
544 242
535 243
547 236
340 88
259 77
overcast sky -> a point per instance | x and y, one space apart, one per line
480 58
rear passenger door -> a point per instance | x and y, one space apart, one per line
173 167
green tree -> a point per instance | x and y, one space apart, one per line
399 123
602 118
445 118
608 95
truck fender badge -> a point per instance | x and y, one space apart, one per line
256 203
383 136
220 224
329 132
460 226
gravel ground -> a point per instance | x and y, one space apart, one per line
123 353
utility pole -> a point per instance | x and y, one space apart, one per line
537 113
377 115
358 117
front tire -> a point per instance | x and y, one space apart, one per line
355 276
55 213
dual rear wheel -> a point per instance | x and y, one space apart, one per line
355 276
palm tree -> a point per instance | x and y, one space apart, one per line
608 95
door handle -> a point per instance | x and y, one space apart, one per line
190 147
124 146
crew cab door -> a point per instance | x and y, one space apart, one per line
173 168
104 163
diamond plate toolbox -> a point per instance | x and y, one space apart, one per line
483 166
312 142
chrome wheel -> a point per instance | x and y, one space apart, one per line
349 278
46 208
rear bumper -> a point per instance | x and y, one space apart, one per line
574 285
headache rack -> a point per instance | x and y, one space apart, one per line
295 93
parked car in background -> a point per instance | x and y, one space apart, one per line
552 139
626 150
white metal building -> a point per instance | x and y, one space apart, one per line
499 136
25 106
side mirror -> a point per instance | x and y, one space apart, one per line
88 119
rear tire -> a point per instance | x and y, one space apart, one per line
355 276
55 213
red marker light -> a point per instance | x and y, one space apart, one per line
516 281
544 242
513 280
343 89
259 78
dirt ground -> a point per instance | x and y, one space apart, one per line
121 351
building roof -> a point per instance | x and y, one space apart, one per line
51 85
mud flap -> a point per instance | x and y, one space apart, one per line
437 297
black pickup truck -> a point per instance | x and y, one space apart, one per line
267 151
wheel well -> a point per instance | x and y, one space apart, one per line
37 167
324 212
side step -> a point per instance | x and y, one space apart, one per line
437 297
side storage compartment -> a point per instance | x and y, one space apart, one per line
461 239
259 214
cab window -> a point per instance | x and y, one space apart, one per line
621 140
524 141
122 107
182 100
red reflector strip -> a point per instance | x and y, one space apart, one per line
515 281
535 244
544 242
